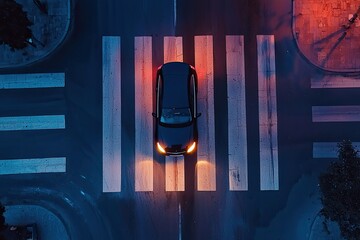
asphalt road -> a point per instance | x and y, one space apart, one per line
76 196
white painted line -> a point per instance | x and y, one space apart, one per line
111 114
206 169
335 82
328 149
174 173
32 122
32 80
173 50
174 12
336 113
269 172
237 137
34 165
143 118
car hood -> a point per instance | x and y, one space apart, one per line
177 138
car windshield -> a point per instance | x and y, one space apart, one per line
175 116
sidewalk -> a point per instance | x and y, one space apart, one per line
49 31
300 218
48 224
320 34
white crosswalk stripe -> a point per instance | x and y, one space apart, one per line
269 173
237 137
111 114
335 82
32 123
20 123
32 80
143 118
35 165
206 168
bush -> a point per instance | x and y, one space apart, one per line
14 25
340 191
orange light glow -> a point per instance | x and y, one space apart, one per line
191 148
160 148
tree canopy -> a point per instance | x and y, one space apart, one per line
340 191
2 218
14 25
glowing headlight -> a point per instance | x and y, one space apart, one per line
191 148
160 148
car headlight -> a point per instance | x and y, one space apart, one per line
160 148
191 148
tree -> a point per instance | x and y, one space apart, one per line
14 25
340 191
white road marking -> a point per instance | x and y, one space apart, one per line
269 173
237 137
175 13
143 118
335 82
32 80
34 165
174 173
32 122
336 113
173 51
328 149
206 169
111 57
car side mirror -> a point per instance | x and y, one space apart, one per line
198 115
154 115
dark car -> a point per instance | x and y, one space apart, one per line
176 109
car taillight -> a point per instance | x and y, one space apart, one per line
191 148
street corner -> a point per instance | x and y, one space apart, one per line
48 225
328 32
50 25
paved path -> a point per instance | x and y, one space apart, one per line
48 224
320 30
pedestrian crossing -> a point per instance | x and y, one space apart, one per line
143 97
206 155
333 114
34 123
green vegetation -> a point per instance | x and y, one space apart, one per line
340 191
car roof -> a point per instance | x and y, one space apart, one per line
175 85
